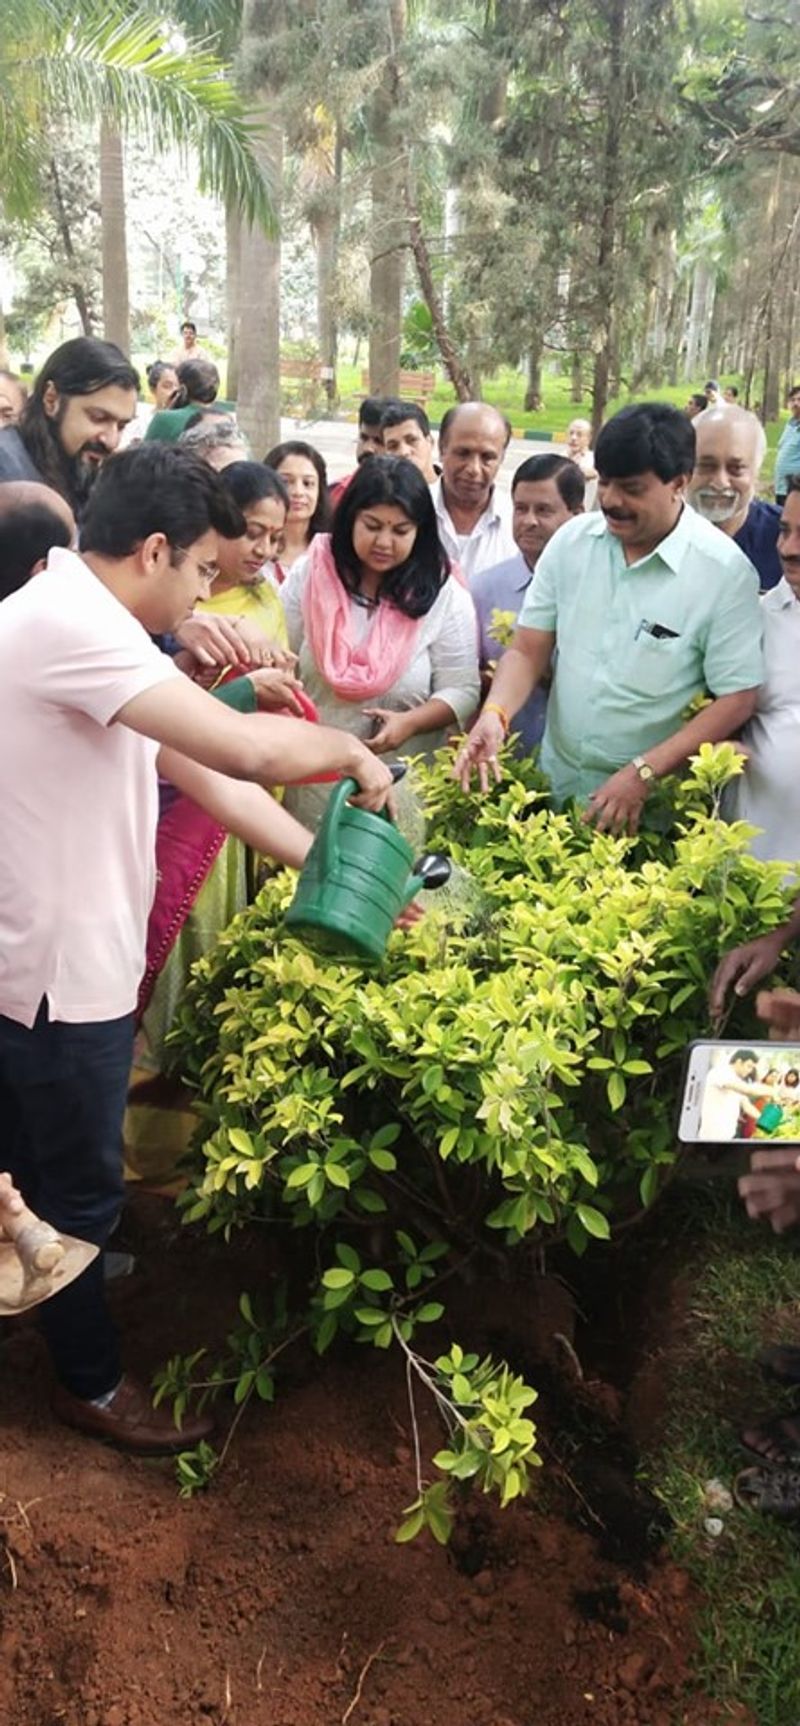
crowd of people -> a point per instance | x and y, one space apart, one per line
194 642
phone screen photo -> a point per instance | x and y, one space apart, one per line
741 1091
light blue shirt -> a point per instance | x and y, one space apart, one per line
787 458
636 642
503 588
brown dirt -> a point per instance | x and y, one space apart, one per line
280 1597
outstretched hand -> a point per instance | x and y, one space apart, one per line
741 969
480 751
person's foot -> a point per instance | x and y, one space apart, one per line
130 1421
774 1443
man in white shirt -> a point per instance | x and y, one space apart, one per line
767 794
730 1091
88 700
474 518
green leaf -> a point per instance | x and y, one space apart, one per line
368 1200
616 1090
241 1141
386 1135
348 1256
593 1221
377 1280
429 1313
412 1526
337 1277
301 1176
325 1332
246 1309
461 1388
337 1176
370 1315
383 1160
265 1384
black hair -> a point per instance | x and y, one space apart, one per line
198 379
414 585
647 437
27 533
792 1073
397 412
711 385
321 519
372 410
795 390
700 401
570 482
188 325
793 483
743 1055
449 417
155 372
78 368
733 389
157 488
250 481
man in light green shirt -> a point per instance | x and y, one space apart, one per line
644 604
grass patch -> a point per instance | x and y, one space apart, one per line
743 1291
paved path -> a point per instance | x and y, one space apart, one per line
335 440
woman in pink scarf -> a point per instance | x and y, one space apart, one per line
385 632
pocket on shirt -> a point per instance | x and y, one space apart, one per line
652 667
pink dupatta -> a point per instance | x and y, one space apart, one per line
355 670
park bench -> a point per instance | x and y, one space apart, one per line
414 386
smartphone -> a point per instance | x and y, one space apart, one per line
734 1092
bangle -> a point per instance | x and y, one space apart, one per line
494 707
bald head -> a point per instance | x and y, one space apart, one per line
33 519
473 439
730 450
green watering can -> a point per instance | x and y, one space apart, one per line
357 878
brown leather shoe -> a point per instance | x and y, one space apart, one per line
131 1422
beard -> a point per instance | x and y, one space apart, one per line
82 474
717 506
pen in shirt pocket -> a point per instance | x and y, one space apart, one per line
657 631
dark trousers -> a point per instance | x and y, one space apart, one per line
62 1099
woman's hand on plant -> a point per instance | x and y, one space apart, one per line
480 750
392 730
276 689
617 804
742 968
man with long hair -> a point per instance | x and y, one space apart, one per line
84 397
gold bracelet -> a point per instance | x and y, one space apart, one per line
494 707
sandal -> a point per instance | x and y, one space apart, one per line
774 1443
773 1492
781 1362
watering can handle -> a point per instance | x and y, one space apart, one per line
329 831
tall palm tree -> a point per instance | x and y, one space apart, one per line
120 66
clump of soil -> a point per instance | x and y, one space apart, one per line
280 1597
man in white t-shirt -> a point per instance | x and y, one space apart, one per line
88 699
473 515
731 1090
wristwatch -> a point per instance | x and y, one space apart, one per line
643 768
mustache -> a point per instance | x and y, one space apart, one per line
616 515
93 449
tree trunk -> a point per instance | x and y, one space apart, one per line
3 339
576 375
606 270
533 388
116 306
389 235
453 364
259 346
703 290
62 223
771 362
233 270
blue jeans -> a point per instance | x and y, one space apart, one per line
63 1090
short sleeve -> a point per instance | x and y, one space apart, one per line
733 658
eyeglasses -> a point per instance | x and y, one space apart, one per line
206 571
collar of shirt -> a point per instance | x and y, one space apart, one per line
670 550
492 513
780 597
